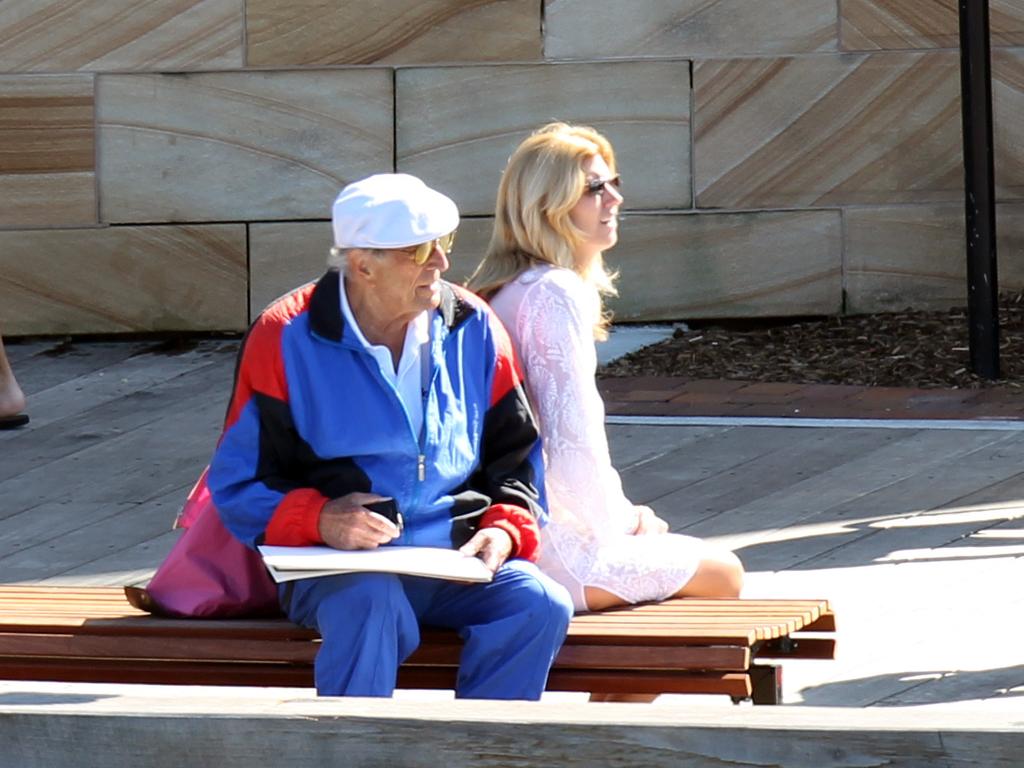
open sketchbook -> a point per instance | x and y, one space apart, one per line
289 563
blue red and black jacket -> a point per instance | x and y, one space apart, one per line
312 419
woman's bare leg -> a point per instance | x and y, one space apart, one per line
12 399
720 574
599 600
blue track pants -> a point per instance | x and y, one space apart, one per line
512 628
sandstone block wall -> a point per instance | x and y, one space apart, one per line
170 165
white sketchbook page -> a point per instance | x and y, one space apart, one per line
288 563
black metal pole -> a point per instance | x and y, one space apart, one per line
979 189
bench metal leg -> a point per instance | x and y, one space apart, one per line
766 682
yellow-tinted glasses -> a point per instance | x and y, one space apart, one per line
420 253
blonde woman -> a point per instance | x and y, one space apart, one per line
557 212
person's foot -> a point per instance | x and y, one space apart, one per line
13 422
12 403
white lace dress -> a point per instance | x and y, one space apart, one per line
550 315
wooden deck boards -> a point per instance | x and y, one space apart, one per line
915 535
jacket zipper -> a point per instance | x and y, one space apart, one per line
421 457
421 460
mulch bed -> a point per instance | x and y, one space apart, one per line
905 349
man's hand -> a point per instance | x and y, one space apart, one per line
649 523
492 545
346 524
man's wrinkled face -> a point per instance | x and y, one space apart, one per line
410 288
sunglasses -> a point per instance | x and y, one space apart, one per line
420 253
597 186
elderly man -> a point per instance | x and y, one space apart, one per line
381 381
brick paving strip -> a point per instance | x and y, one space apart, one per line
674 396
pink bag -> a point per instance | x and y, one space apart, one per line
208 573
198 499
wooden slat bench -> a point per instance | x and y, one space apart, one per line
92 634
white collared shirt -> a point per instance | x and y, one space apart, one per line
408 380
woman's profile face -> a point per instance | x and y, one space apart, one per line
596 213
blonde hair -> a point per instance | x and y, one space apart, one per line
543 181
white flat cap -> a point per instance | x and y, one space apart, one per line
391 210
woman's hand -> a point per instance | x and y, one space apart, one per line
649 523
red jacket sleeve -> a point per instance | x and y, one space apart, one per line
521 527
